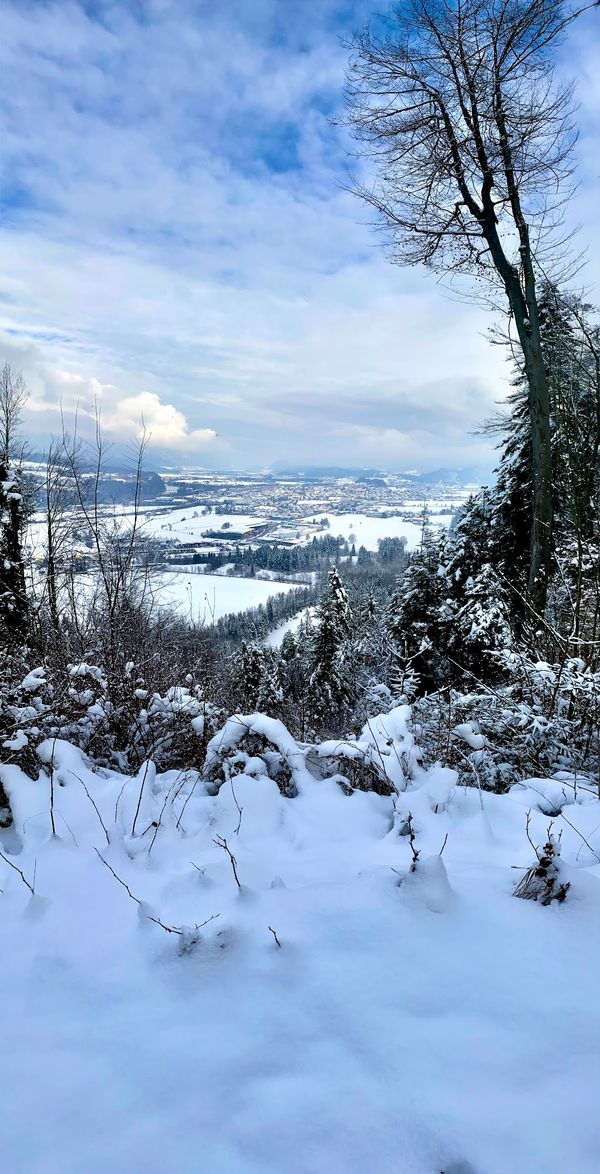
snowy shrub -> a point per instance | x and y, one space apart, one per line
544 720
355 768
542 882
259 737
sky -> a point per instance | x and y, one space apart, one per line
177 244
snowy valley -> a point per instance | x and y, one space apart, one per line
300 587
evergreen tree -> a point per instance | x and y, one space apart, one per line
14 608
250 674
468 545
482 626
270 694
413 614
403 680
571 347
329 683
294 669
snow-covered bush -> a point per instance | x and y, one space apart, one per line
542 881
255 738
41 703
547 719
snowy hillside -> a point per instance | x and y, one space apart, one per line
261 968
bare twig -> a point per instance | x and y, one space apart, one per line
221 842
94 805
527 823
186 801
240 809
411 839
581 835
21 874
119 798
167 928
158 823
139 802
275 936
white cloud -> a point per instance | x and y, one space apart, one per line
58 396
144 412
176 231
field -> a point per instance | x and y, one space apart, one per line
367 531
204 598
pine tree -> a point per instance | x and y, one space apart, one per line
250 674
329 685
571 347
413 614
14 608
403 680
270 694
468 545
482 626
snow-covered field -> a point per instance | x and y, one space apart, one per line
439 505
368 531
189 523
337 1012
204 598
199 598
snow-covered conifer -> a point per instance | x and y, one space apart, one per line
270 694
413 614
250 674
14 606
329 684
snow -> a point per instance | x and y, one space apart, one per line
275 638
411 1021
34 680
189 523
368 531
467 732
206 598
17 742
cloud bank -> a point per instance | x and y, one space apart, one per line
178 244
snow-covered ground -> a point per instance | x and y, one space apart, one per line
204 598
197 597
337 1012
367 532
189 524
186 524
275 638
438 505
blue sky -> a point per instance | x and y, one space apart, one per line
177 243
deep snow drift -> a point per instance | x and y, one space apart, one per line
339 1013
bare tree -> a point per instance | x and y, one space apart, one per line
472 137
58 497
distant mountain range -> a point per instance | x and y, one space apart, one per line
468 475
465 475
